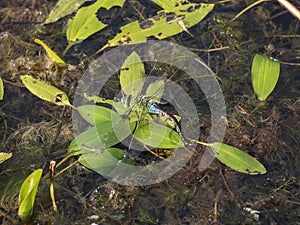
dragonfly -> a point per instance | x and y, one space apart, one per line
143 103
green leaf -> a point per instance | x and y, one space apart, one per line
87 141
237 159
165 24
27 194
105 120
45 91
95 114
93 140
132 75
169 4
105 161
50 53
265 73
4 156
97 99
63 8
86 23
96 138
157 135
1 89
156 90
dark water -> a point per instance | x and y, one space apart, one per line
37 132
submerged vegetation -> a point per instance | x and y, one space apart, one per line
263 121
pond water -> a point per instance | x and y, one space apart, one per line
36 132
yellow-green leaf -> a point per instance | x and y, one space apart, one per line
265 73
63 8
165 24
155 90
97 99
132 75
237 159
169 4
45 91
27 194
1 89
85 23
4 156
157 135
50 53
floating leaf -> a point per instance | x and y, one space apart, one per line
97 99
169 4
86 23
156 90
50 53
95 114
63 8
4 156
265 73
105 161
1 89
96 138
165 24
45 91
101 117
132 75
157 135
88 141
27 195
237 159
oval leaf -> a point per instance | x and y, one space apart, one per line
92 140
1 89
98 115
265 73
45 91
132 75
157 135
27 194
237 159
156 90
4 156
63 8
106 120
105 161
86 23
163 25
50 53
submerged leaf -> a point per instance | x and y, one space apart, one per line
45 91
63 8
165 24
27 194
86 23
237 159
265 73
1 89
50 53
132 75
